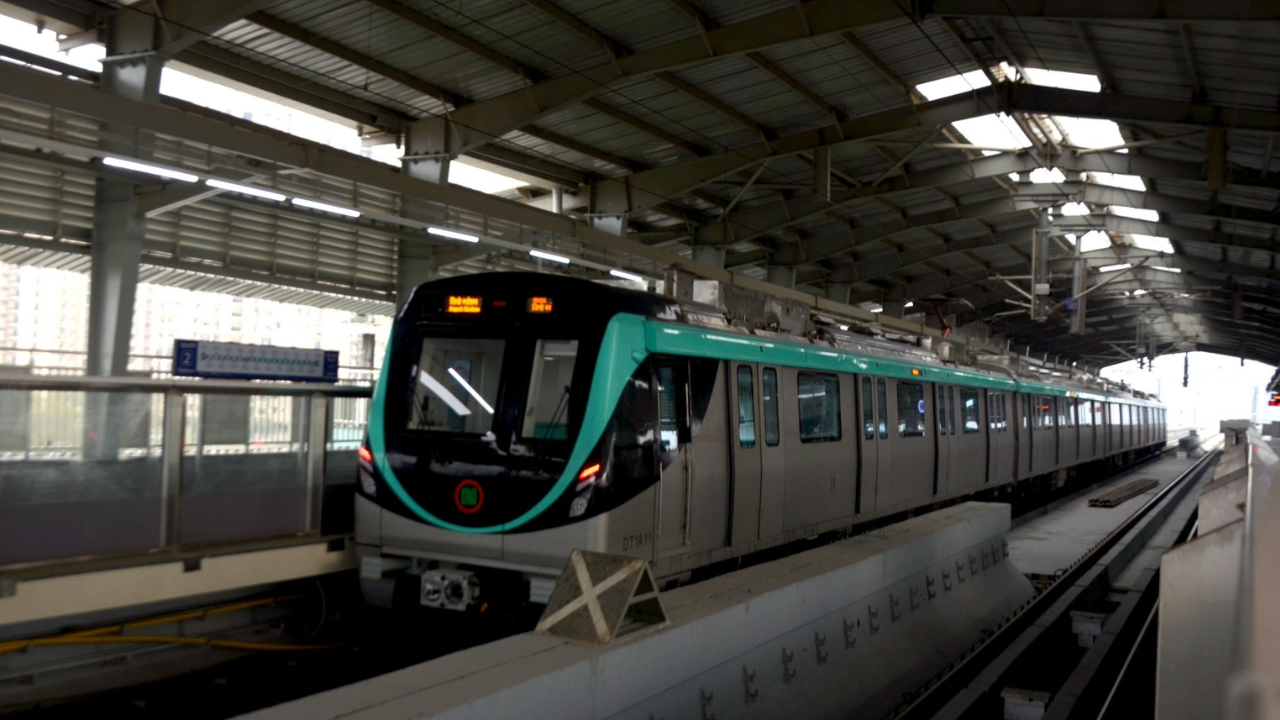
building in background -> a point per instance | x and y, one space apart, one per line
44 315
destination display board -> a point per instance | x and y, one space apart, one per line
241 361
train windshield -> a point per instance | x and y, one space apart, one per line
468 385
455 385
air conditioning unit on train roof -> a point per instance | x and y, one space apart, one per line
755 309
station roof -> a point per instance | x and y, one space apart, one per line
702 122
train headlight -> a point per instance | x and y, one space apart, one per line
579 505
367 484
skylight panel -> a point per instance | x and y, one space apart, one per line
954 85
1092 240
1128 182
1135 213
480 179
1153 243
1090 132
997 130
1047 175
1075 208
1065 80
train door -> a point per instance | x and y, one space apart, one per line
674 484
744 442
773 465
693 492
868 448
942 457
884 454
1024 435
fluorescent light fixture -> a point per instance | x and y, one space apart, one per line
245 190
550 256
471 391
335 209
627 276
844 327
453 235
1139 292
1162 268
1113 268
877 309
149 169
908 304
443 393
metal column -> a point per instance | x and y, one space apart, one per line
130 69
1077 290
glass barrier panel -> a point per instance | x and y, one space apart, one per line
244 468
80 473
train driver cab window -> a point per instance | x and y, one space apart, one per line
769 390
455 385
546 411
868 411
746 408
911 410
969 413
668 423
819 398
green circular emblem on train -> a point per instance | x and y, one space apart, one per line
468 496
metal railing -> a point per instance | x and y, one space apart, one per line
92 465
44 361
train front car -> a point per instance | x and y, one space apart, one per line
509 403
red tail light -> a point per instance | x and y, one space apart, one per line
364 454
589 471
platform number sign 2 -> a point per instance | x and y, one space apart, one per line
201 358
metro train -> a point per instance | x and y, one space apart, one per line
520 416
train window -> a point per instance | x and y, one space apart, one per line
457 385
940 409
882 407
1046 405
868 411
911 410
668 427
951 411
1025 402
746 408
1066 412
969 413
819 397
993 412
546 410
769 394
1004 412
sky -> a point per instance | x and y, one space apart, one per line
1218 388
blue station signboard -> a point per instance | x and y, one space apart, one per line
241 361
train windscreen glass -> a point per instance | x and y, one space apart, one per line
547 407
455 386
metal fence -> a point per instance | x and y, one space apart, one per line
94 465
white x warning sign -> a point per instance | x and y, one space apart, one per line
599 597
